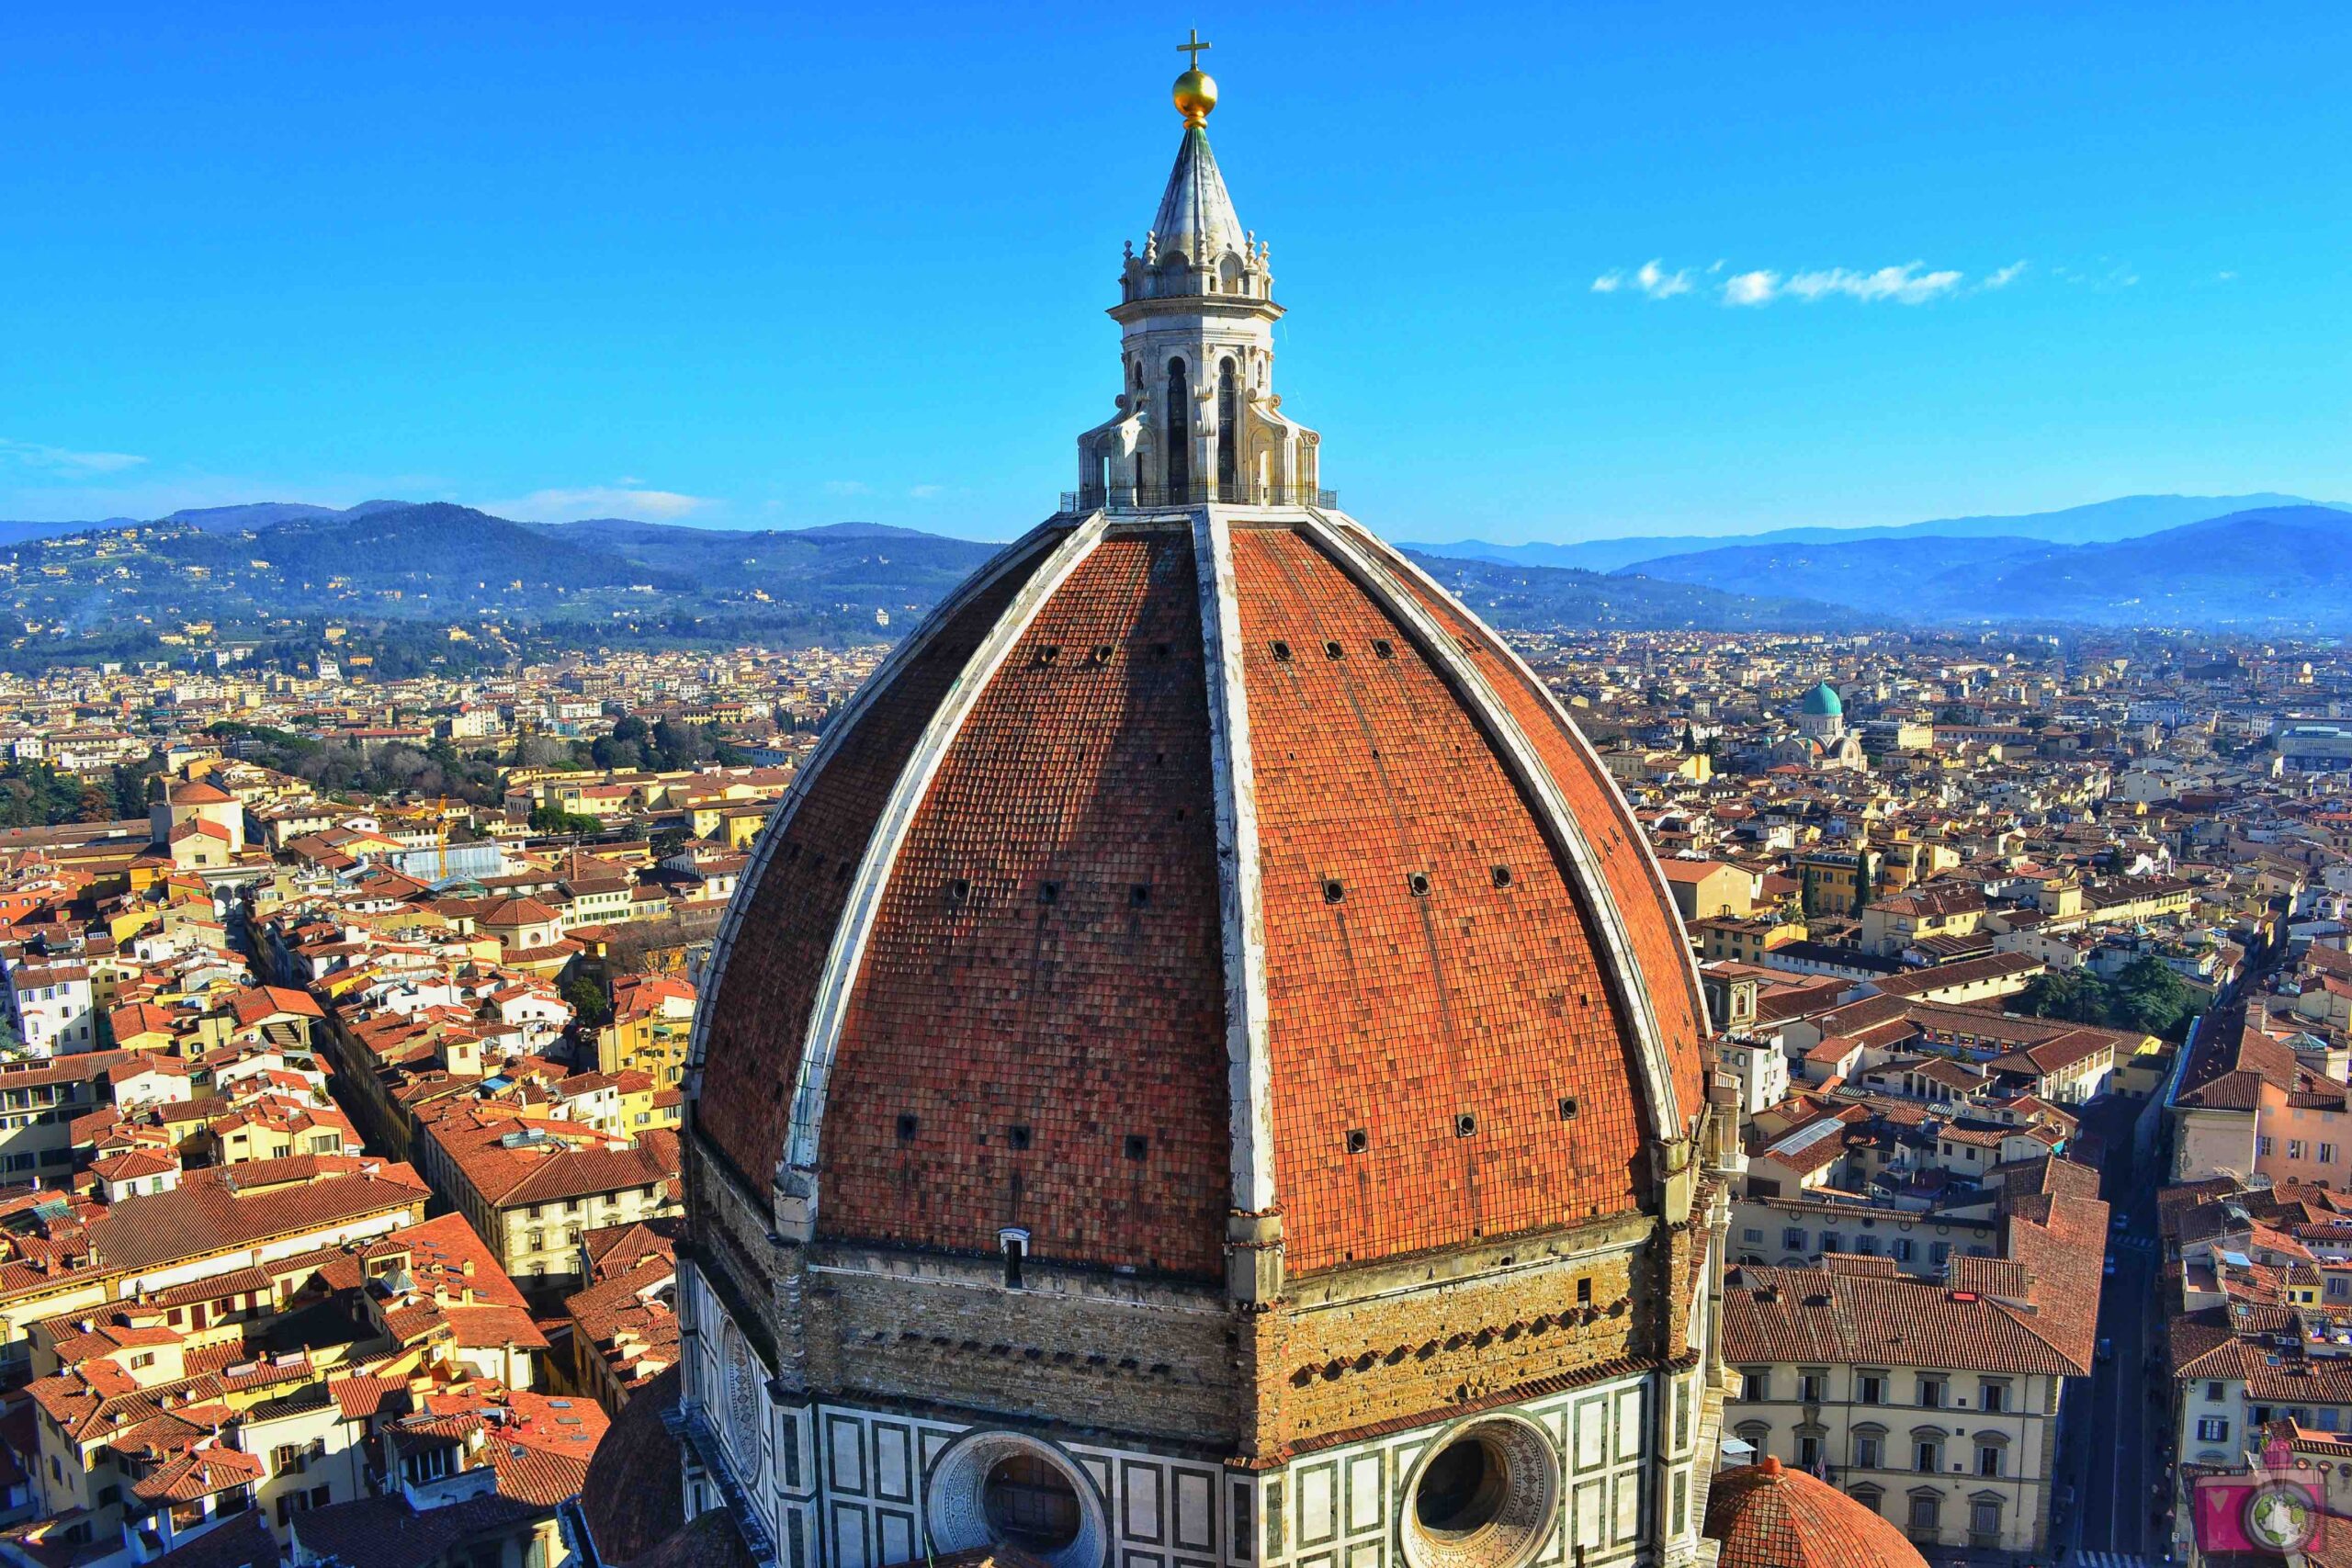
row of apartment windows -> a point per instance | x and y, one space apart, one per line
1869 1454
1901 1248
1930 1391
580 1205
2295 1146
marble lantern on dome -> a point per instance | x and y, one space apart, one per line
1198 419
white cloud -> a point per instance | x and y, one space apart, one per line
2225 277
1905 285
597 500
924 493
845 487
58 460
1910 284
1659 284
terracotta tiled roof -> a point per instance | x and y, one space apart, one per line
386 1532
1766 1517
631 1498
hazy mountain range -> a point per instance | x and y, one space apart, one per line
272 569
2125 517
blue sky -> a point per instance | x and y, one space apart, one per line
771 268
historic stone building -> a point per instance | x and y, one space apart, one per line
1202 1070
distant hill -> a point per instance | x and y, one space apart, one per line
1838 572
278 572
24 533
1540 597
2126 517
2276 567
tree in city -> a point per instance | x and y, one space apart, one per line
555 820
2150 997
2076 995
588 1001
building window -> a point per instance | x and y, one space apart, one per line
1927 1514
2212 1429
1867 1497
1869 1451
1988 1459
1808 1452
1830 1242
2294 1148
1793 1239
2327 1154
1870 1388
1985 1521
1813 1386
1755 1384
1932 1392
1938 1252
1927 1456
1991 1395
2262 1145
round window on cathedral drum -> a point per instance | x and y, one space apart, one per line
1030 1503
1462 1490
1486 1496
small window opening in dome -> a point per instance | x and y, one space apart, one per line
1017 1134
908 1127
1333 650
1334 890
1502 876
1466 1124
841 872
1140 895
1418 881
1164 650
1282 650
1049 893
1101 653
1584 1291
1016 1251
1568 1108
1048 653
1382 648
1358 1140
959 891
1138 1146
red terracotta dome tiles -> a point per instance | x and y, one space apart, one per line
1396 1010
1654 928
1769 1516
1073 986
753 1052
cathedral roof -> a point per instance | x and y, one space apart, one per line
1192 864
1768 1517
1196 217
1822 701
